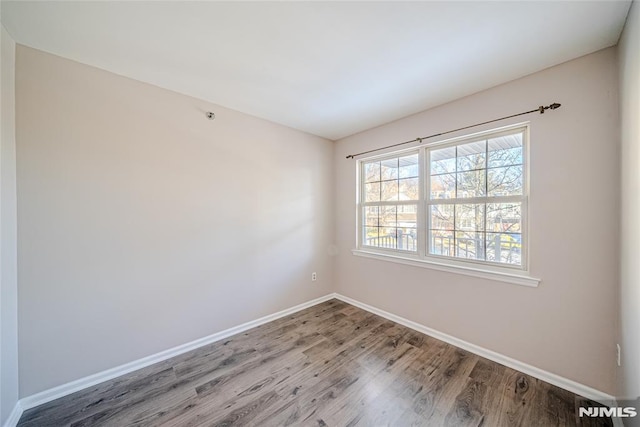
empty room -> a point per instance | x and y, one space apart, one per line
273 213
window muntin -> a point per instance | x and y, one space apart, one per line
472 209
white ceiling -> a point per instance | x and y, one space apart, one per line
327 68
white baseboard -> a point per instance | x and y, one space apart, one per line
557 380
80 384
14 416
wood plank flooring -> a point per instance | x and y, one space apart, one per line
330 365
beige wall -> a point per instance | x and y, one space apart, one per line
566 325
629 55
8 279
143 225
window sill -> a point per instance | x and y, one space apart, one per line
516 279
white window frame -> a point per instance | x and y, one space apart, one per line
362 205
517 274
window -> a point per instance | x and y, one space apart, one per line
462 201
391 197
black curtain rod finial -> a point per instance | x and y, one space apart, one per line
553 106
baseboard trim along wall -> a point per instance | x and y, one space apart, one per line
91 380
538 373
14 416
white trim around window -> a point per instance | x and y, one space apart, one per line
458 205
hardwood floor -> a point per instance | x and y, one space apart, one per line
330 365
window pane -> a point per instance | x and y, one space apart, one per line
443 186
472 156
372 172
407 216
505 150
372 192
408 166
389 169
470 217
407 238
504 248
405 209
408 189
370 237
471 184
389 191
371 216
441 242
388 216
443 160
469 244
398 227
504 217
505 181
442 217
407 233
381 238
387 238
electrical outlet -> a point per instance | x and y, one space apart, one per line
618 358
314 276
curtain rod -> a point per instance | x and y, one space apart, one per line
541 109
